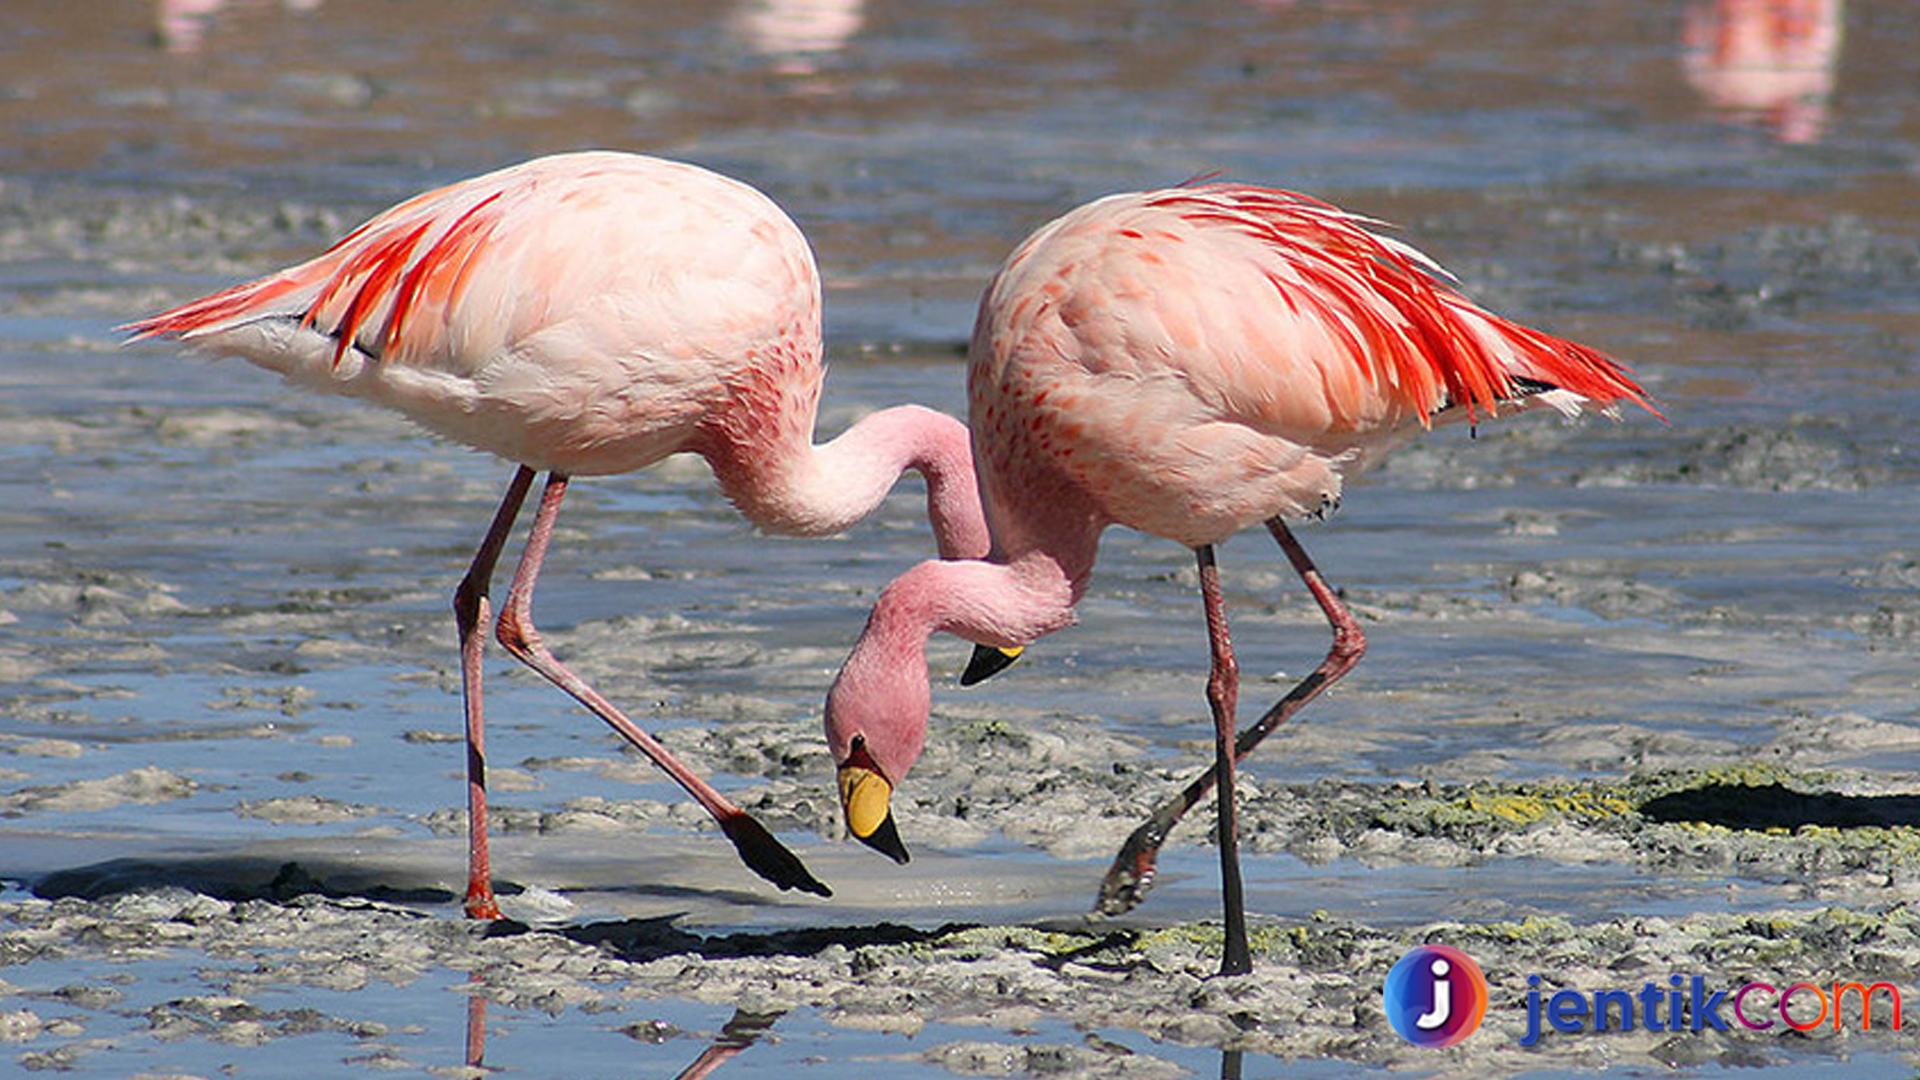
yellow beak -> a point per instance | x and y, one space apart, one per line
867 799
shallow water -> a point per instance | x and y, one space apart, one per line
243 589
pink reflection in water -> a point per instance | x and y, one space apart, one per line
182 24
1768 61
796 33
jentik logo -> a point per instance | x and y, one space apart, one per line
1436 996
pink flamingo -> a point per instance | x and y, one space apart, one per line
589 314
1185 362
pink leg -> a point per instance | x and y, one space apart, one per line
762 853
1131 874
1223 691
470 612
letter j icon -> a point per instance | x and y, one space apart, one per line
1435 996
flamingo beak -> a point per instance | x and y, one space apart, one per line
867 799
988 661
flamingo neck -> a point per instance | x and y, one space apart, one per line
882 695
769 467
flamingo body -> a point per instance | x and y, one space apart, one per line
1187 362
1195 361
580 313
589 314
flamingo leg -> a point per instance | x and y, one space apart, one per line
470 612
1131 874
763 854
1223 691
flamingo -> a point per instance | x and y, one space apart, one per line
588 314
1186 362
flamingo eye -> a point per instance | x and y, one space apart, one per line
858 755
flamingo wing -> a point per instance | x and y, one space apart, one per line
404 261
579 312
1371 319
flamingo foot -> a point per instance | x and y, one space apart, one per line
1133 869
768 857
481 906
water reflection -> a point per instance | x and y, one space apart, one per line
742 1030
797 34
1771 62
181 25
476 1023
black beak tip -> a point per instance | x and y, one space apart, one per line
986 662
886 841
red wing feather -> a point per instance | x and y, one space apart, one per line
1438 343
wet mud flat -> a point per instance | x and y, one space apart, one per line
1314 996
1810 872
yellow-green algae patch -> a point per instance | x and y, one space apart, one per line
1740 774
1023 938
1527 807
1448 810
1533 928
1504 809
1209 938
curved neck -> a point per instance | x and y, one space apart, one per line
989 602
881 693
771 470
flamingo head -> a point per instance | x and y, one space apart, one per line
876 728
867 798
